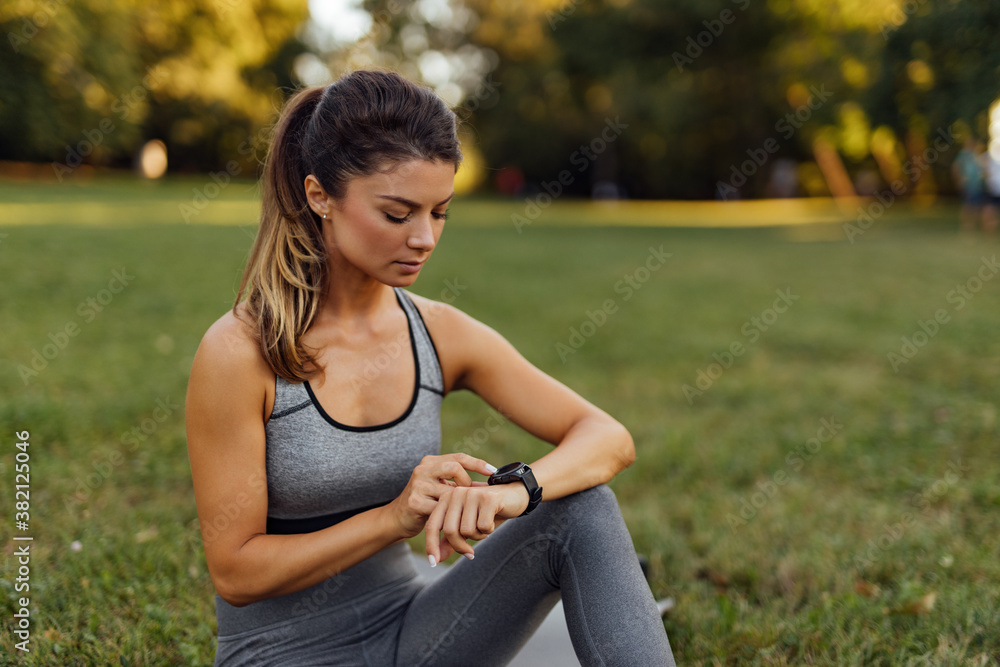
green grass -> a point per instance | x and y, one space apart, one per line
826 566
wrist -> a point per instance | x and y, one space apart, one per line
519 474
516 498
389 524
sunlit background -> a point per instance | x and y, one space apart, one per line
723 99
835 155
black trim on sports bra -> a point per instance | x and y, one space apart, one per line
431 339
291 410
413 399
312 524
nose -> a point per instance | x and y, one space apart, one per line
422 236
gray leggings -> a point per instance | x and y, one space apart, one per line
481 612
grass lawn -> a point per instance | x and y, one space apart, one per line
805 496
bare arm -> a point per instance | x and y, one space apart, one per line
591 446
225 428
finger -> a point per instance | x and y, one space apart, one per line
473 515
452 527
415 510
475 465
460 546
446 550
432 533
486 523
453 470
431 491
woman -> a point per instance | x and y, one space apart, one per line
314 431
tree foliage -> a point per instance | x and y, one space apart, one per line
93 79
708 96
704 85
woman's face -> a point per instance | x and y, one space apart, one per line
387 224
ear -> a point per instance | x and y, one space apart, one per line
319 201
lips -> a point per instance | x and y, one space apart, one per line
411 267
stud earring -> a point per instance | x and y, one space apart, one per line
324 216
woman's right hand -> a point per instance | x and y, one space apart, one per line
428 481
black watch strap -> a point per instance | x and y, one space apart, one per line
513 472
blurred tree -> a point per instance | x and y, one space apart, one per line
900 72
639 98
941 64
611 95
92 80
713 92
675 74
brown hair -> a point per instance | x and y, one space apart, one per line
364 123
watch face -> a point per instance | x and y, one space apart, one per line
509 468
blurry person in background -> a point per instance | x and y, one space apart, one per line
967 171
992 196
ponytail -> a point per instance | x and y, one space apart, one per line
286 271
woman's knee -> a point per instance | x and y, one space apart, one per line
596 505
598 498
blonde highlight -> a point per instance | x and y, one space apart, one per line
286 270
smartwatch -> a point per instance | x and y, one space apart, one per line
513 472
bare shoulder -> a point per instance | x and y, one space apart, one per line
229 359
229 340
439 310
448 324
461 340
478 358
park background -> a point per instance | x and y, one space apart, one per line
810 376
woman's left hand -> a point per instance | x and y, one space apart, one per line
470 512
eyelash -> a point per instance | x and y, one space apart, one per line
399 221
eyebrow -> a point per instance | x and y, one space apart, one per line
413 204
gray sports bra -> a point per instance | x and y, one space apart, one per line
320 472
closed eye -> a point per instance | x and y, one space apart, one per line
399 221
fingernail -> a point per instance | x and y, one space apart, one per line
490 468
432 560
469 556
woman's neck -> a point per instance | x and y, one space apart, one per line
353 298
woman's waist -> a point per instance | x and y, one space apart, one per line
390 568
